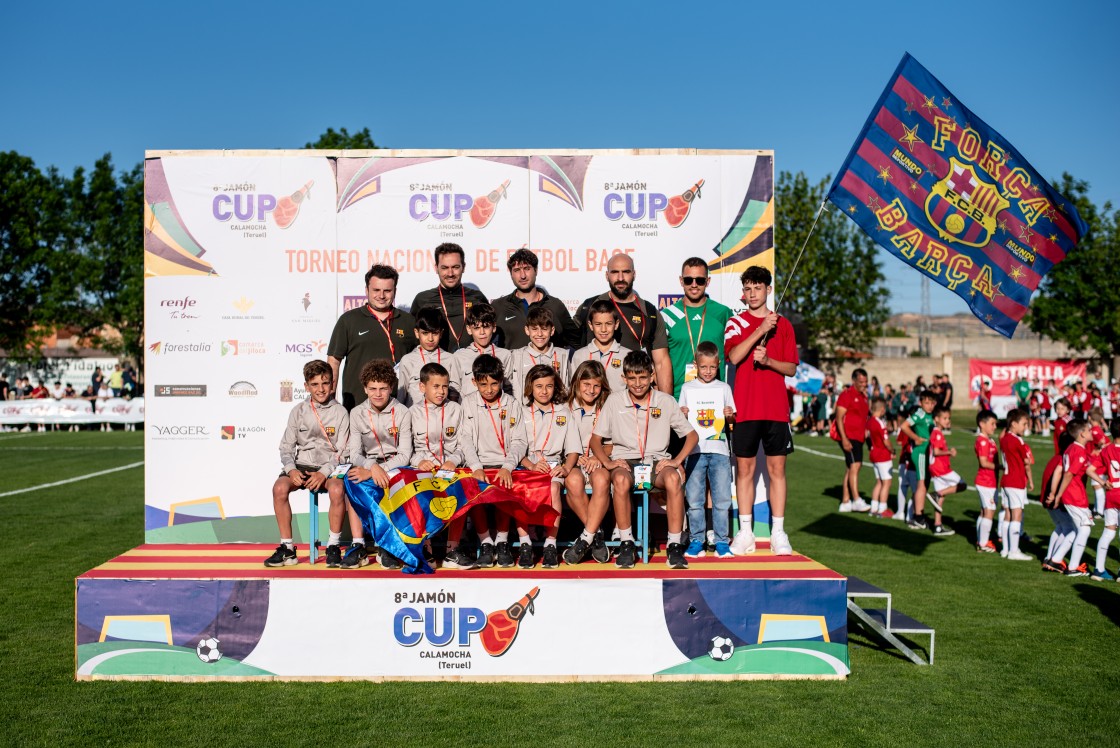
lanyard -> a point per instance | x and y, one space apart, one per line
493 350
428 431
595 350
439 357
373 429
323 428
497 431
595 420
688 326
385 326
547 436
641 313
442 303
642 438
536 358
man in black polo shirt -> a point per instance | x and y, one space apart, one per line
375 330
513 309
450 297
641 325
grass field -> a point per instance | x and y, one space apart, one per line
1022 658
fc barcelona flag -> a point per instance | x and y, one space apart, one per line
945 193
417 505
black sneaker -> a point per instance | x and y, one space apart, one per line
627 553
599 550
919 522
356 557
550 557
576 552
388 560
942 531
428 555
486 555
334 556
459 559
525 556
503 554
283 556
674 556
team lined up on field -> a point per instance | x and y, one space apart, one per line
592 419
1083 455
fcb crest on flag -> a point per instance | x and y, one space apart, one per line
963 207
942 191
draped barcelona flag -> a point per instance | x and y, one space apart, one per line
418 505
945 193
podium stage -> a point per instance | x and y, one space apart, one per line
214 612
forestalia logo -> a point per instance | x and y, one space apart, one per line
449 624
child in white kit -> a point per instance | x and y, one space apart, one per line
710 406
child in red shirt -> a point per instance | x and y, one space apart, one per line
1071 492
1110 461
882 459
986 455
1016 459
1097 441
943 478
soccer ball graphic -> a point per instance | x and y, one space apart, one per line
721 648
208 651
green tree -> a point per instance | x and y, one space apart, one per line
838 287
1079 300
343 140
109 210
35 288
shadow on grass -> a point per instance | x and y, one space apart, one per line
894 535
859 635
1105 598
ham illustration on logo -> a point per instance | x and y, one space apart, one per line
287 208
680 205
502 625
483 209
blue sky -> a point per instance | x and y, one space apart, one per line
83 79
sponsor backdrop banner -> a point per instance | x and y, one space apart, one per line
250 258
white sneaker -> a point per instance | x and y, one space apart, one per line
779 544
1046 432
743 543
845 507
859 505
1019 556
710 538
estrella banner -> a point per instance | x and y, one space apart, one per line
938 188
418 505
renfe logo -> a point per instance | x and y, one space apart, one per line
439 627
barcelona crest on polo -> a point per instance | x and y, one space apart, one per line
655 412
561 420
450 431
963 207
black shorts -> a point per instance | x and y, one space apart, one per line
307 470
776 438
856 455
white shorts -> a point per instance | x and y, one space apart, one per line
987 497
944 482
883 470
1111 517
1013 498
1080 515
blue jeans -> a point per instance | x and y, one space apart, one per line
708 470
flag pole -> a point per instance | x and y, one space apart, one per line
797 261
